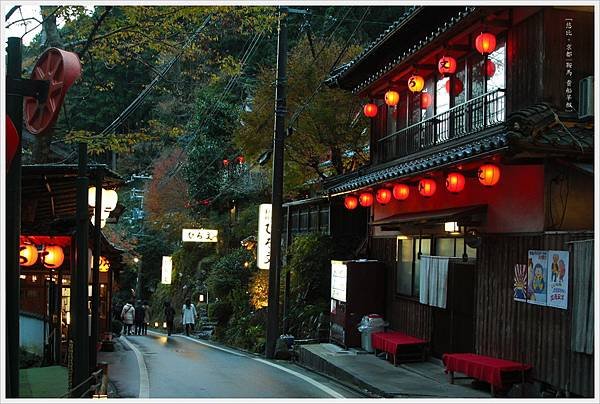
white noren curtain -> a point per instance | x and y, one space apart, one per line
433 282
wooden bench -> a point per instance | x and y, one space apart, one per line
499 373
400 346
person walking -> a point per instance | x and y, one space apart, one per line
146 308
139 318
127 316
169 317
188 312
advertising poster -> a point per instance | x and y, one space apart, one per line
537 277
339 276
520 283
558 279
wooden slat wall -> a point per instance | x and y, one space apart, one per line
524 332
403 314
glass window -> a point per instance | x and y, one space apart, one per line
498 58
405 267
303 220
314 218
442 99
324 219
392 116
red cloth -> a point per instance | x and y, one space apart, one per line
390 340
482 367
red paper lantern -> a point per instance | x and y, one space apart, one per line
426 100
53 256
485 43
490 68
365 199
401 191
384 196
447 65
455 182
391 98
488 175
28 254
416 83
427 187
350 202
241 159
457 86
225 162
370 110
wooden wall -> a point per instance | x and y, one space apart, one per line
525 332
403 314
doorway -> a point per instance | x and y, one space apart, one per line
453 327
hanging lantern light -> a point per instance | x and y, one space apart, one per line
53 256
457 86
383 196
28 254
109 199
102 221
485 43
225 162
425 100
104 264
416 83
427 187
447 65
92 196
490 68
350 202
455 182
401 191
489 174
241 159
370 110
365 199
391 98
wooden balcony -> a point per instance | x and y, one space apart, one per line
480 113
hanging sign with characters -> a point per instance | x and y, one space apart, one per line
263 259
199 235
537 276
558 279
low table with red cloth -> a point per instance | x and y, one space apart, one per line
400 345
499 373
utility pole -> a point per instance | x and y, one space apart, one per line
96 271
14 109
277 195
79 281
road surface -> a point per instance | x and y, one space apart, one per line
157 366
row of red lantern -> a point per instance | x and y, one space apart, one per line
485 44
488 175
52 256
239 159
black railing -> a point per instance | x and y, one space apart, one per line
473 116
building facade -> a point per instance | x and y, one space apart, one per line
482 174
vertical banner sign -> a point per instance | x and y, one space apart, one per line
558 289
520 283
167 269
569 64
263 259
537 276
339 277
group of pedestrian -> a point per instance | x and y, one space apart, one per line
136 319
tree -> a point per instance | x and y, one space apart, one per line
330 134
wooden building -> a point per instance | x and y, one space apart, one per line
48 221
484 156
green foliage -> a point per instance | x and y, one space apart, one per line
221 312
161 295
228 275
28 359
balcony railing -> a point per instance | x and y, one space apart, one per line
473 116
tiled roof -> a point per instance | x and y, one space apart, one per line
404 52
535 128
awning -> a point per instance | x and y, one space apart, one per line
465 216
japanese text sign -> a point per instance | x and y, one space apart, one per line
263 259
199 235
167 269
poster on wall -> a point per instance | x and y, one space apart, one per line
520 283
558 279
537 276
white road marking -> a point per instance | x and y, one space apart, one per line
307 379
144 381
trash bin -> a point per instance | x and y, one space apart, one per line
368 325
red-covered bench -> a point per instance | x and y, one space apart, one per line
399 345
499 373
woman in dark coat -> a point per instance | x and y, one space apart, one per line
169 316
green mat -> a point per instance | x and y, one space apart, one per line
46 382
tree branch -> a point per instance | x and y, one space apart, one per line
95 28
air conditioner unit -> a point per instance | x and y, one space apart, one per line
586 97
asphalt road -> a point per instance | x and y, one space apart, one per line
157 366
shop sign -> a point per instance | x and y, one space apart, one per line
263 254
199 235
339 276
544 280
167 270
